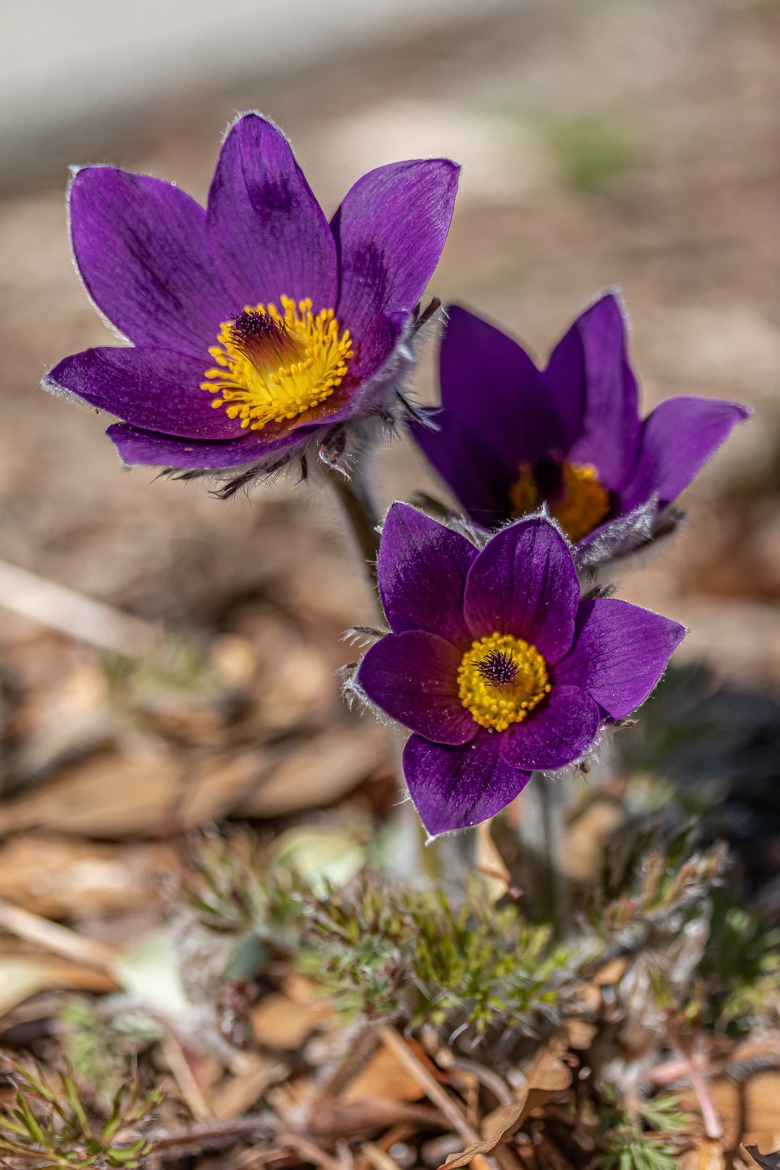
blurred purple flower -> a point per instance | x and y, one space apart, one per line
511 437
495 664
255 324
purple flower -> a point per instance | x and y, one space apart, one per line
255 323
511 437
495 664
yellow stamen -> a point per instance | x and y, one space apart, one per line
482 689
579 507
272 366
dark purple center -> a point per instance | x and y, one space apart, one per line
548 477
262 339
498 669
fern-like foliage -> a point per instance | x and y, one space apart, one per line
650 1140
49 1128
387 951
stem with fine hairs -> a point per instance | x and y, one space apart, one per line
542 832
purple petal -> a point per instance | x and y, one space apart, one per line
152 388
555 734
619 653
144 448
141 248
492 386
267 232
457 787
677 440
390 232
524 583
610 426
413 677
422 574
471 470
564 384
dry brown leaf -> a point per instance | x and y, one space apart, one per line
581 1034
241 1091
333 1118
769 1161
59 877
320 771
586 836
497 1121
611 972
384 1076
280 1023
490 864
547 1076
116 796
24 975
705 1155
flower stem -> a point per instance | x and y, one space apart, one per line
355 499
542 832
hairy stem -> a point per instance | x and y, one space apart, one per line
542 832
358 507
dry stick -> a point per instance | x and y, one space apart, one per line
74 614
491 1080
712 1126
435 1093
397 1133
209 1134
308 1150
188 1086
58 939
378 1158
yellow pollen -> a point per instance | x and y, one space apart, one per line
497 704
580 506
272 366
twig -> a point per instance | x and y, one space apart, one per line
378 1158
436 1094
397 1133
212 1134
58 939
308 1150
185 1079
491 1080
712 1126
75 614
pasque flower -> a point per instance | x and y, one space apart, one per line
510 437
495 663
255 323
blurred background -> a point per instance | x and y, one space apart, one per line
171 662
619 142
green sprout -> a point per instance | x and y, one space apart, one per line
650 1140
385 951
53 1131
